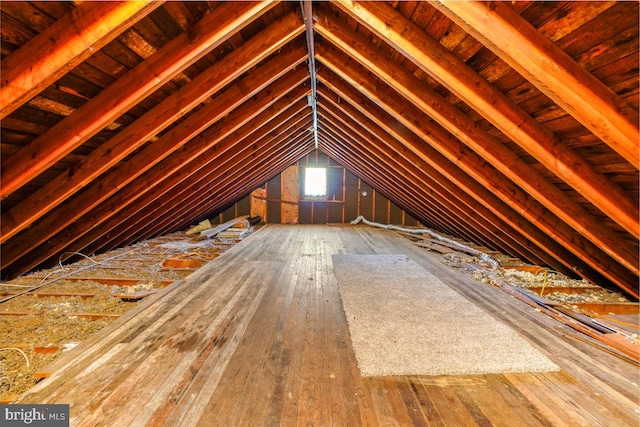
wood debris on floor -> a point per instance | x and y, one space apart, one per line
57 308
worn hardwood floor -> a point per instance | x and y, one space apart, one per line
258 337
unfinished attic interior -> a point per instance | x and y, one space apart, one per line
467 256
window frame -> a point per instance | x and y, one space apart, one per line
304 195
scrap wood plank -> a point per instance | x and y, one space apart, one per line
207 234
135 295
434 247
106 280
623 344
630 321
533 269
41 375
625 330
54 294
456 247
36 348
563 289
181 263
599 344
582 318
539 299
19 313
120 281
609 307
94 316
178 270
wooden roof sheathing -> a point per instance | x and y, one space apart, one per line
516 122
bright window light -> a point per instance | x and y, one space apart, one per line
315 183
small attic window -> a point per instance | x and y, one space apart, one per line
315 183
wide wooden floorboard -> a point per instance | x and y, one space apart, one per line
258 337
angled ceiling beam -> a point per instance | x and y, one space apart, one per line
63 45
115 179
175 106
464 129
172 179
551 70
158 215
251 158
330 147
127 91
471 219
550 232
423 199
445 192
237 179
442 172
204 152
192 199
347 157
307 15
119 177
437 61
223 142
259 135
241 181
452 195
450 176
393 170
115 209
439 208
369 171
223 166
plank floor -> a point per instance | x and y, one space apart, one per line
258 337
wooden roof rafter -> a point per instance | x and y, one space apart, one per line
64 45
441 189
472 164
135 85
554 72
497 108
500 211
511 237
461 126
378 161
201 206
106 188
150 124
176 178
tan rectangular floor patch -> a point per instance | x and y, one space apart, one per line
404 321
